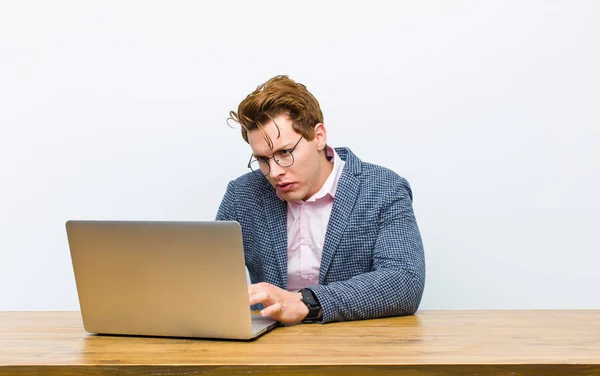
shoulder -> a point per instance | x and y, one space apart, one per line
250 185
380 178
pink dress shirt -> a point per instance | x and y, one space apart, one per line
306 226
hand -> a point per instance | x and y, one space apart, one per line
284 306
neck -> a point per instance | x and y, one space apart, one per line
326 167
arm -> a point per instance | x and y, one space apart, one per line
227 208
395 284
227 213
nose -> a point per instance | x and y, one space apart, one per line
275 169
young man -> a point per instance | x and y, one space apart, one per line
326 236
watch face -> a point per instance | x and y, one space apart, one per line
308 297
314 308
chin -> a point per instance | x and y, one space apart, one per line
293 196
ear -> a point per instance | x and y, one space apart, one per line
320 136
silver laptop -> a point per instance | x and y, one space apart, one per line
174 279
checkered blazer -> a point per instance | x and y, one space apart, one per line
373 263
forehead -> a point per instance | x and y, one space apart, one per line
283 137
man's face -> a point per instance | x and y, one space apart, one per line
310 169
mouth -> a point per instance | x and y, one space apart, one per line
286 187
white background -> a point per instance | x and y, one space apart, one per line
116 110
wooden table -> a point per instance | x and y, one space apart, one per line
429 343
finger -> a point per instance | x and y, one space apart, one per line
253 288
260 297
272 310
256 287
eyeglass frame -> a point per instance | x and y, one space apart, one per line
268 162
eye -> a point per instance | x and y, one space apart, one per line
284 152
263 159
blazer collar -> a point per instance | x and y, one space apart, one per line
345 198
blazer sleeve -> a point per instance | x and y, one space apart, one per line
395 284
226 210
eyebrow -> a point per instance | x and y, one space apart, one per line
277 150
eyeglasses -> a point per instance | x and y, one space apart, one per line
283 157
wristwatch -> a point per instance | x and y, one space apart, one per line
314 308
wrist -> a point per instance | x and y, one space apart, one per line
310 301
302 308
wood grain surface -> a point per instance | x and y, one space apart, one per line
428 343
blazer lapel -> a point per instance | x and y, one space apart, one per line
343 203
276 214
